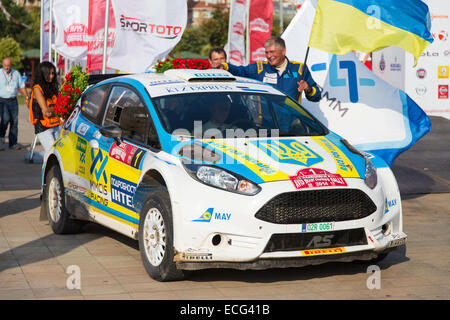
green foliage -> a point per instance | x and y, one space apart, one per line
11 48
80 78
209 34
216 28
27 38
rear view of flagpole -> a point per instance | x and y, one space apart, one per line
105 36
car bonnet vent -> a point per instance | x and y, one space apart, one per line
193 75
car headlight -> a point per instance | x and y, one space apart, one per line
222 179
370 177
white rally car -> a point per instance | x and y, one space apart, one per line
207 170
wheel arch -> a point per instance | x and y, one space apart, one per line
151 181
51 161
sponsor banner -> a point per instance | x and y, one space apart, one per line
71 28
315 178
382 124
96 32
428 82
389 65
149 29
260 26
236 31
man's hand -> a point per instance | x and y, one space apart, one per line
303 86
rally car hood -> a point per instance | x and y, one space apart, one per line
282 158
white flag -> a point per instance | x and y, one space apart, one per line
146 31
356 104
236 31
71 19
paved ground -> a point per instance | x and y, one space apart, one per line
34 261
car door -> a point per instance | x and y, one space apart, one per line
120 167
73 146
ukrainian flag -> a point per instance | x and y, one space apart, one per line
369 25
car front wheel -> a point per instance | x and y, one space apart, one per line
156 239
54 202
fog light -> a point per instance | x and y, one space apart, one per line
386 229
216 240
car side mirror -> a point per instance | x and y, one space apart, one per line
113 132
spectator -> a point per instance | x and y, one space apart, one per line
216 57
45 91
10 83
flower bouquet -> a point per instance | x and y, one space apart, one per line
75 82
171 63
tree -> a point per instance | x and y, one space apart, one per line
209 34
28 38
11 48
216 28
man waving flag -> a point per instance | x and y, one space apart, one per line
370 25
368 112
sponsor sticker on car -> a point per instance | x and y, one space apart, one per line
315 252
314 178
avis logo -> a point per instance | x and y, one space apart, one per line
352 81
209 214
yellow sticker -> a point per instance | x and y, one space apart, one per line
264 171
344 166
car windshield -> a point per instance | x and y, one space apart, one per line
220 114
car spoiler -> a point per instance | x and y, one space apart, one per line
96 78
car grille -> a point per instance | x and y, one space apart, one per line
314 240
317 206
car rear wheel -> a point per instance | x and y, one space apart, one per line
156 239
54 201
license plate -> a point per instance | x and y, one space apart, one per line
397 242
318 227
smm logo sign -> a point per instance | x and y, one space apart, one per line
352 81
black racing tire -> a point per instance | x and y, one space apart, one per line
55 204
156 238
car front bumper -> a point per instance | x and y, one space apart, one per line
220 229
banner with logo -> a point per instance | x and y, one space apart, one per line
389 65
260 27
428 83
96 32
236 32
71 20
356 104
146 31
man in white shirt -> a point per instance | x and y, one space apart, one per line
10 83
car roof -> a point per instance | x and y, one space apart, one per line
180 81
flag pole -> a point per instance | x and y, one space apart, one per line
105 36
41 35
50 32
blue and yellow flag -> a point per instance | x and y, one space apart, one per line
370 25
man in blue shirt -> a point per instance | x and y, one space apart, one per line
287 76
10 82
